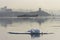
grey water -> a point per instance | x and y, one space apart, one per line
49 25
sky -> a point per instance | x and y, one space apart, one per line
31 4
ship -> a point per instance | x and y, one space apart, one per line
6 12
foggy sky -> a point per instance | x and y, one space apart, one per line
31 4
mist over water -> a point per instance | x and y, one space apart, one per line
23 25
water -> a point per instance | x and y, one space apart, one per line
49 26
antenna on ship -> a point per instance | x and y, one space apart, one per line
39 9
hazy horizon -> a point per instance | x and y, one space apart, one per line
31 4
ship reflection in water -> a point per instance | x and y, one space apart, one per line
4 21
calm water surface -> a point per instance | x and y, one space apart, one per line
50 26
